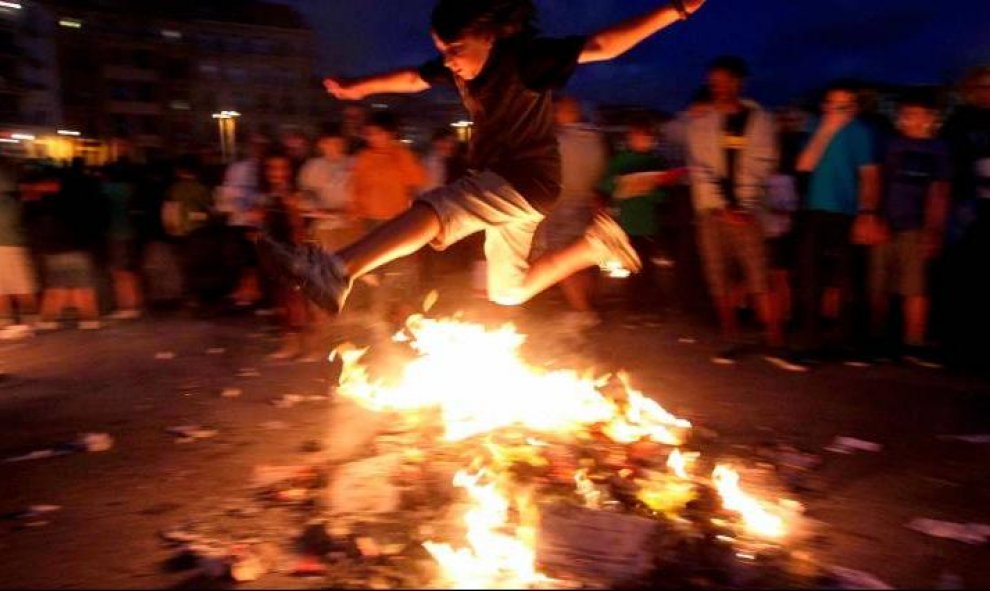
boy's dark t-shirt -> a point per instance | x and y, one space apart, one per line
912 165
510 103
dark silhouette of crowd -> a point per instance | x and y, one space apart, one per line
845 234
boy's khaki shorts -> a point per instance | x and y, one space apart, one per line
899 267
722 244
486 202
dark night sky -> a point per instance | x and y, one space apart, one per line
792 45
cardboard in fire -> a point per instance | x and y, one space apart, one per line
595 547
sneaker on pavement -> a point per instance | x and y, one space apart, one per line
730 356
47 325
317 273
90 325
15 332
922 357
612 243
130 314
786 361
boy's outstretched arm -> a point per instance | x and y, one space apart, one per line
400 81
616 40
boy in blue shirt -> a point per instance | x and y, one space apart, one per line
917 169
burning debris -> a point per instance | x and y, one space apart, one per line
470 468
559 478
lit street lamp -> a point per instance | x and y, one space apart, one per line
227 124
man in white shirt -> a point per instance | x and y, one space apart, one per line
325 185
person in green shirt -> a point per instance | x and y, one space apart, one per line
637 195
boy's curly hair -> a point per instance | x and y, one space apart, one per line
453 19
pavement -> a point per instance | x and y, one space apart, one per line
123 382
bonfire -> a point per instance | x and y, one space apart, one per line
564 478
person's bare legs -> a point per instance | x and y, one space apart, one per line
726 305
879 314
399 237
53 302
6 310
770 317
915 320
780 286
27 305
84 300
126 290
551 268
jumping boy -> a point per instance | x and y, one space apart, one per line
505 74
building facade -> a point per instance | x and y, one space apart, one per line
149 78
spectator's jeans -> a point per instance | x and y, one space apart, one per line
824 259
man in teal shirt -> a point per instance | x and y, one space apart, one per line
839 213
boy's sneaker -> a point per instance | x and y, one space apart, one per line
46 325
318 274
922 357
612 243
90 325
787 361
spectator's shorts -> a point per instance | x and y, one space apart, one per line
724 244
16 271
487 202
68 270
899 266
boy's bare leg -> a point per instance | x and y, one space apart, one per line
770 316
53 303
399 237
5 308
551 268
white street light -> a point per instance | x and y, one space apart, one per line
227 124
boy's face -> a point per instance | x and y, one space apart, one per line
332 147
916 121
467 56
377 137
